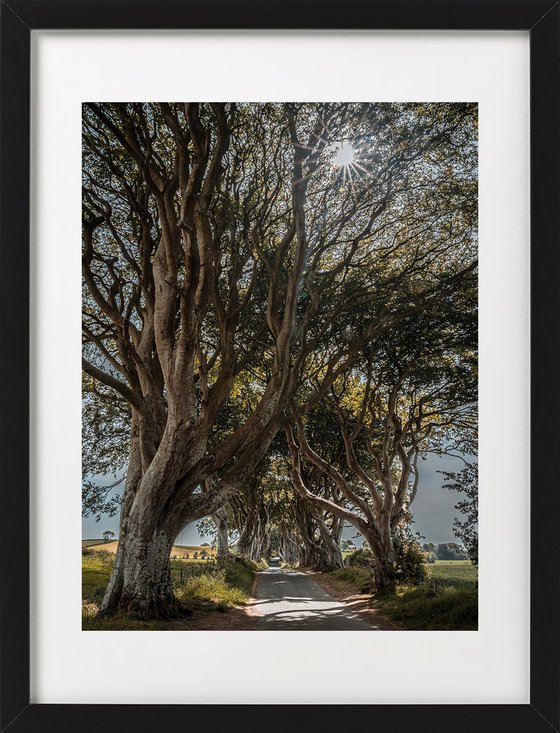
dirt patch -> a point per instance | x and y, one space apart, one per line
236 619
360 603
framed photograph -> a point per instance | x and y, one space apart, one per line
279 288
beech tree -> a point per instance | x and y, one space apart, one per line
414 390
223 244
217 526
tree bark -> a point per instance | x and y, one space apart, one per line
220 520
331 548
140 585
384 560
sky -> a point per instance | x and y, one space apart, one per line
433 509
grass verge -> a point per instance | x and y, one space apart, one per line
360 579
201 587
452 604
219 586
422 609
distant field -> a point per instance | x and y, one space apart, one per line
456 573
91 543
178 551
181 551
454 563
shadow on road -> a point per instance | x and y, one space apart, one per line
292 600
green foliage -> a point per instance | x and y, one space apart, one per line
105 446
451 551
411 563
445 551
466 530
361 558
223 585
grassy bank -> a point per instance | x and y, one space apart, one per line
219 586
201 587
422 609
448 600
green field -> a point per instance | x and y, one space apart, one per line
455 573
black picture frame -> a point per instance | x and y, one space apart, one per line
541 19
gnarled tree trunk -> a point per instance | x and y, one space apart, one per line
220 520
331 549
140 584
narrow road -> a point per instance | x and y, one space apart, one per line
292 600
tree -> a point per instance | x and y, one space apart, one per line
221 245
466 482
105 443
411 392
220 519
108 535
451 551
431 551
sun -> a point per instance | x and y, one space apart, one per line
348 165
344 154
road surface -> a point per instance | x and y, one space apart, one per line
292 600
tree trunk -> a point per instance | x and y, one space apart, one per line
331 549
220 520
384 561
140 585
384 575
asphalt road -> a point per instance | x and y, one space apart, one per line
292 600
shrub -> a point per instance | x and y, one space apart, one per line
411 564
362 558
225 583
411 561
